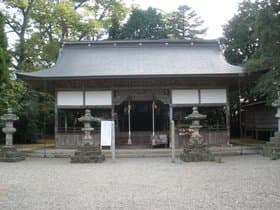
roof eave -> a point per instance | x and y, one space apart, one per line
31 77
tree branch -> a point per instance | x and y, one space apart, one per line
80 4
13 27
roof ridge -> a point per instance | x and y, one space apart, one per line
159 41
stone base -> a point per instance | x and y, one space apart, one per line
88 154
10 154
197 153
272 149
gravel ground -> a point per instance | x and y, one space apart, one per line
240 182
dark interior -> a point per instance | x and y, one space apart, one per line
141 116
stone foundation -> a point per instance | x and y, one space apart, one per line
272 148
88 154
10 154
197 153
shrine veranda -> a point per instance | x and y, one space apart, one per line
142 86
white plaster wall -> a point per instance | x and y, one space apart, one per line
69 98
98 98
189 96
211 96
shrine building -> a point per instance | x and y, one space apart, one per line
142 86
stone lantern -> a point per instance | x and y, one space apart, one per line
87 129
88 152
196 149
272 148
8 152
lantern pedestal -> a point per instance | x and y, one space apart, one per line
8 153
196 150
272 148
196 153
88 152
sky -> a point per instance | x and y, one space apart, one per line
215 13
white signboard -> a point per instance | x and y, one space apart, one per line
98 98
185 96
212 96
106 133
70 98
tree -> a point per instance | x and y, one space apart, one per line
240 41
20 26
267 55
33 108
144 24
252 39
114 32
185 23
4 57
42 25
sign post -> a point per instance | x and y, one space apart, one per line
173 141
113 146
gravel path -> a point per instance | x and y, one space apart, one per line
240 182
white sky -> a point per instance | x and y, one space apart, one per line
215 13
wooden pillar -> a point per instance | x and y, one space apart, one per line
153 117
113 112
55 123
65 123
170 123
228 122
113 142
257 134
239 110
129 141
55 119
44 127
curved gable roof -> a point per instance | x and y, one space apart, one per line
111 59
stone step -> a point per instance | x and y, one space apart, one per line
134 153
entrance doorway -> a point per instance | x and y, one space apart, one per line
141 116
143 121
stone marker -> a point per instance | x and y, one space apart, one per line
272 148
196 149
88 152
8 152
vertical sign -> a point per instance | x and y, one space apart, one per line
106 133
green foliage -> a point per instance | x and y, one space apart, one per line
118 14
252 39
240 41
4 57
42 24
115 29
33 108
144 24
185 23
151 24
